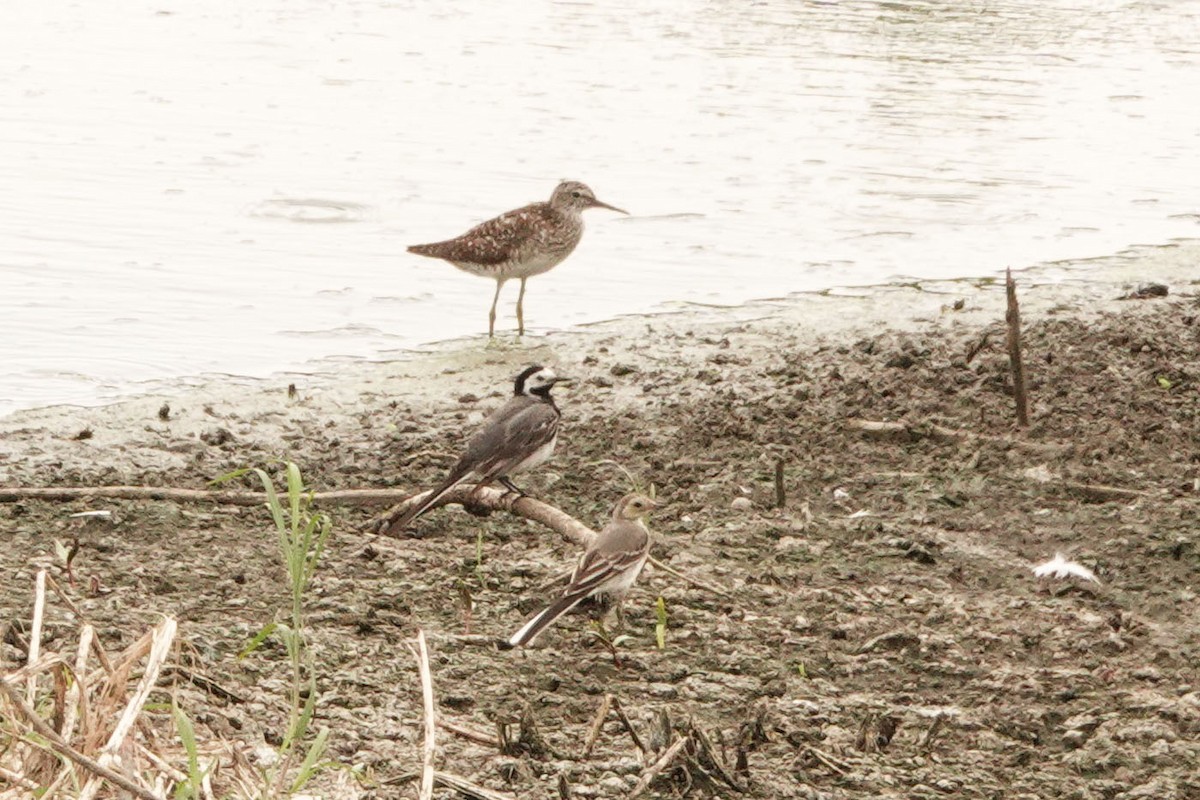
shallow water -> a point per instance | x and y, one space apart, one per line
197 188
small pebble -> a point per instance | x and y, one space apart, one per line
741 504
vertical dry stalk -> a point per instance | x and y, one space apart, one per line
649 775
597 724
430 718
35 635
1013 318
77 694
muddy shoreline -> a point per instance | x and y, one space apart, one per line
883 635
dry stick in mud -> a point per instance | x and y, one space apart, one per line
430 746
1013 317
13 494
597 724
658 766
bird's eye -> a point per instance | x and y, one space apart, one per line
576 193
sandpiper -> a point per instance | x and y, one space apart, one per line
521 243
516 437
609 568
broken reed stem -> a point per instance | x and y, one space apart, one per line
470 734
650 774
430 719
699 584
487 499
633 734
35 634
1013 318
597 724
77 694
59 746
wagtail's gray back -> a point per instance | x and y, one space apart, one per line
516 437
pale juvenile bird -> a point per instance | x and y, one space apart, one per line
521 243
516 437
609 567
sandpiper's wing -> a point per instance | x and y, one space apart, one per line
495 241
517 431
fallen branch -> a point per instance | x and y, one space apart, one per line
361 497
485 500
906 431
19 780
828 760
633 734
35 634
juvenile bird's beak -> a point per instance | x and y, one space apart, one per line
560 379
599 204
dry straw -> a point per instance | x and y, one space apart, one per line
76 723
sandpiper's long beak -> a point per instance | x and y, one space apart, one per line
596 202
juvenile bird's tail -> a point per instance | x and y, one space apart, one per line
545 618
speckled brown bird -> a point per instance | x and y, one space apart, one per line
521 243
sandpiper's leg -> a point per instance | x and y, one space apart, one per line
492 313
521 310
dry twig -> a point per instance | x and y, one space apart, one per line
1016 365
470 734
359 497
665 761
464 786
597 724
35 634
430 746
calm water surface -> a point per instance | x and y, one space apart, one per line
228 186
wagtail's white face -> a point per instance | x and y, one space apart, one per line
538 381
634 506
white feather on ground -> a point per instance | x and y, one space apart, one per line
1059 567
